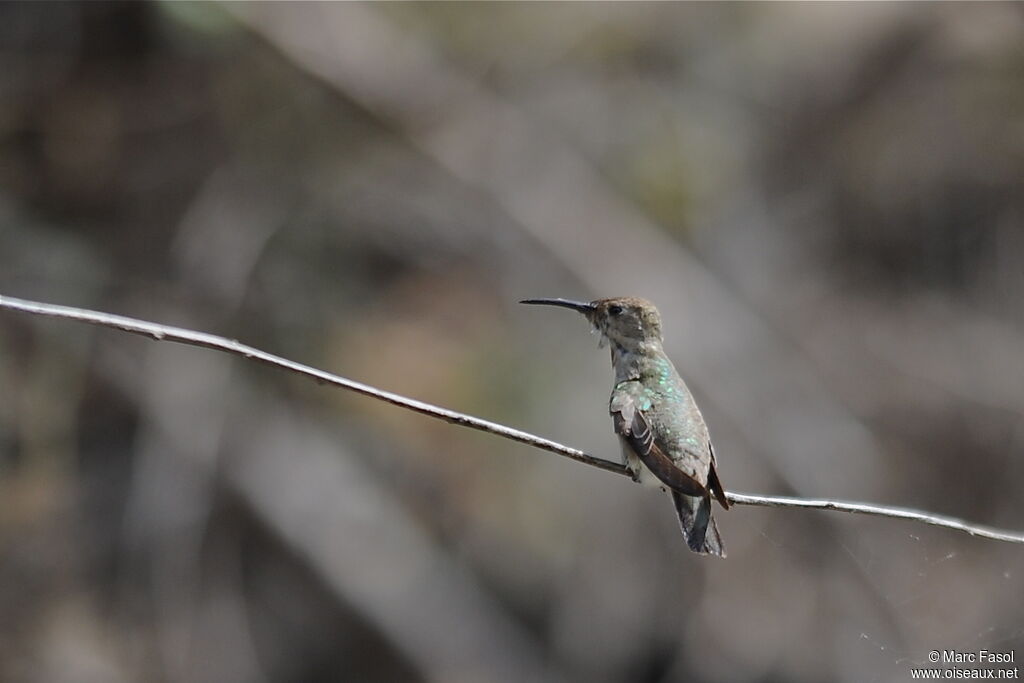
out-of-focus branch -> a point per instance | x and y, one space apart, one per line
184 336
504 151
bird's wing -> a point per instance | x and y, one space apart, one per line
633 426
714 484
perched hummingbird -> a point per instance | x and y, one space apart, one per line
664 439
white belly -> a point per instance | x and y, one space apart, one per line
639 470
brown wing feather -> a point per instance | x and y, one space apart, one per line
640 438
714 484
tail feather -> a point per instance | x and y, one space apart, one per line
697 524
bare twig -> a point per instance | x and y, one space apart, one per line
879 511
184 336
211 341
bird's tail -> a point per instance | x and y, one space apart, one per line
697 524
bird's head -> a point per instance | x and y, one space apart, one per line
628 322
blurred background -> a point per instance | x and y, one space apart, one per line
825 201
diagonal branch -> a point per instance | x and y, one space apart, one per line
184 336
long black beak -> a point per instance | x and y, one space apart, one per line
578 306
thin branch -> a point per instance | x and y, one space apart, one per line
979 530
210 341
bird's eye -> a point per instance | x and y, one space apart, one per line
615 310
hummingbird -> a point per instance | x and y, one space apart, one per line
664 439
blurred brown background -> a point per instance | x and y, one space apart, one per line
825 201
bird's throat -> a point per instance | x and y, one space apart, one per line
629 362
